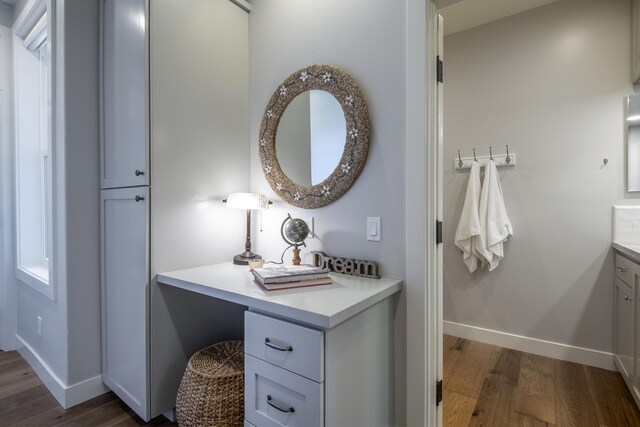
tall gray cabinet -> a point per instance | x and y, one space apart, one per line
174 142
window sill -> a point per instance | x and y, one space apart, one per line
37 277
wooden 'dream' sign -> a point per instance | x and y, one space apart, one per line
352 267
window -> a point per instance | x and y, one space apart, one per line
33 156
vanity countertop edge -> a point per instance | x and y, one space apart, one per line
630 250
322 307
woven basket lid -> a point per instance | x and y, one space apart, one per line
221 360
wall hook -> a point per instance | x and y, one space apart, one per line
490 153
474 155
508 159
460 162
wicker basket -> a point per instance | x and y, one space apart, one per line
212 389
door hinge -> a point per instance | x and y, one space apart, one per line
438 232
438 392
439 70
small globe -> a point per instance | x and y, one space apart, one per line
296 230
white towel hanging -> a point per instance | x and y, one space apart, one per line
494 221
469 226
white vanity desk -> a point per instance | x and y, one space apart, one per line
331 358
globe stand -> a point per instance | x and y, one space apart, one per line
296 256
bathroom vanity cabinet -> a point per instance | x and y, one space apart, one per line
626 334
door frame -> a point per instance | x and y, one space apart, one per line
423 290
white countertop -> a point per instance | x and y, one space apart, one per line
320 306
632 251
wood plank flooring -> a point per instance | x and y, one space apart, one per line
484 385
25 401
490 386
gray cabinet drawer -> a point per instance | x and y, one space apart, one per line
293 347
275 397
625 270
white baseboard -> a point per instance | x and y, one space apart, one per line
585 356
66 395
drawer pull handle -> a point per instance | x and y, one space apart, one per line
139 172
621 269
278 406
268 343
139 198
627 298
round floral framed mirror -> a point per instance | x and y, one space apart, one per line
314 136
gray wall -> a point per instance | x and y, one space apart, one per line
550 83
70 341
6 14
286 35
293 144
82 188
17 8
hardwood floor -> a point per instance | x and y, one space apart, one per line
25 401
484 385
490 386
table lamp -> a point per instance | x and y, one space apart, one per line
247 201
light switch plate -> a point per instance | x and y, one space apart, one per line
373 228
309 221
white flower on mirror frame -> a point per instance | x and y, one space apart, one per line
267 169
283 90
353 133
325 191
326 77
349 100
278 186
346 167
304 76
296 196
269 113
263 141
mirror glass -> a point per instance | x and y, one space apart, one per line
310 138
633 142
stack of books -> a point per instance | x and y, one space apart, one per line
291 276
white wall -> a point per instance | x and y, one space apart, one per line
199 154
550 83
286 35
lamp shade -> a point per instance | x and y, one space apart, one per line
247 201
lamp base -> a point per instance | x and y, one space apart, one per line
245 257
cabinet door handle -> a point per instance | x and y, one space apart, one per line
139 199
139 172
626 298
280 407
621 269
268 343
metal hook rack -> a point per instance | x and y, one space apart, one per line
501 160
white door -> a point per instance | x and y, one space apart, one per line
124 93
125 286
